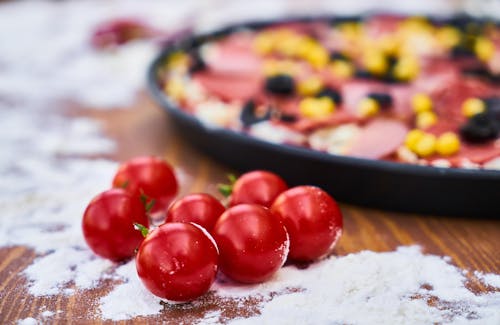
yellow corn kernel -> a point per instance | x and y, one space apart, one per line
416 24
473 106
177 60
448 144
264 43
305 45
421 103
448 36
318 57
484 49
273 67
407 68
310 86
389 45
426 145
368 107
375 62
289 45
351 31
175 88
316 107
425 119
341 69
412 138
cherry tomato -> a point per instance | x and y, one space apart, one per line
201 208
108 224
120 31
257 187
150 176
253 243
177 261
313 221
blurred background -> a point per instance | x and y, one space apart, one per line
51 42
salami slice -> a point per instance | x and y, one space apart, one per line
378 139
475 154
234 57
229 87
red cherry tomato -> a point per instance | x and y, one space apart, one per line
152 176
120 31
253 243
257 187
313 221
108 224
177 261
201 208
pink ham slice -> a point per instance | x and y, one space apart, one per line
354 91
229 87
401 98
234 56
234 71
379 138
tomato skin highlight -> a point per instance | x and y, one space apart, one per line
253 243
313 221
257 187
200 208
177 261
149 175
108 224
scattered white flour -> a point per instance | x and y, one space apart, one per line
70 264
129 299
47 180
28 321
492 280
362 288
48 313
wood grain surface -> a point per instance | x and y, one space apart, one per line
144 129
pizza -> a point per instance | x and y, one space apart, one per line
406 89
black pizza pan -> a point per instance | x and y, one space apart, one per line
371 183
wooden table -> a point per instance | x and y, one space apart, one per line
145 129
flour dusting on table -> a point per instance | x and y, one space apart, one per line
48 179
363 288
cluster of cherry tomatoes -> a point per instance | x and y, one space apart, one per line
264 224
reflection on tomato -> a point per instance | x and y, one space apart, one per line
108 224
200 208
253 243
150 176
313 221
177 261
